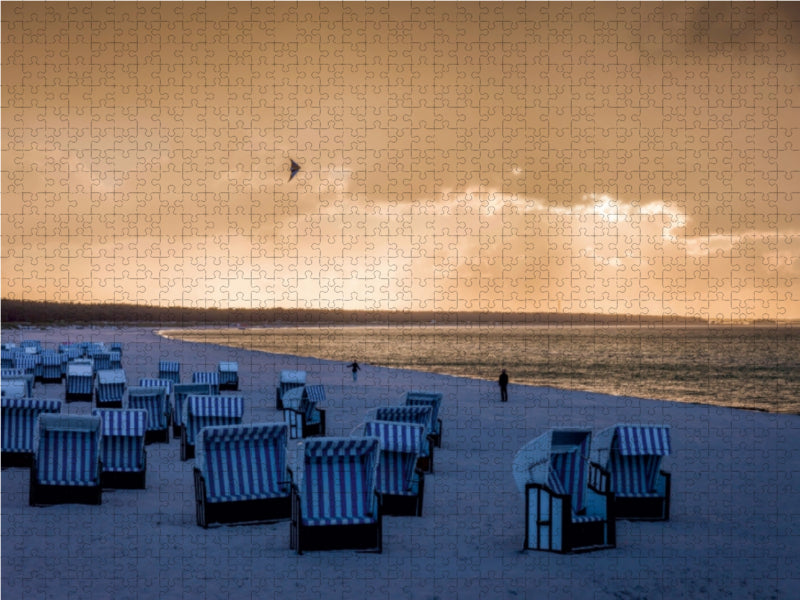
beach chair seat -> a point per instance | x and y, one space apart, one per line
51 366
421 415
302 413
433 399
66 461
627 460
111 384
80 380
335 504
209 377
562 513
169 369
18 422
123 455
228 375
288 380
207 411
241 474
154 401
399 482
180 392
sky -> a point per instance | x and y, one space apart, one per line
602 158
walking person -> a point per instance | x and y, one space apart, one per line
503 383
354 365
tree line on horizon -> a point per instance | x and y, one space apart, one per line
22 312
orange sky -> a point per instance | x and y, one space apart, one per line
480 156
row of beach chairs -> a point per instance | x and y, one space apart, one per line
575 492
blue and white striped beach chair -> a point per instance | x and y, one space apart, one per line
434 400
51 366
114 360
154 401
181 392
155 382
627 460
102 360
421 415
169 369
16 383
116 347
228 375
66 460
399 482
18 422
562 514
26 362
241 474
335 504
111 384
288 380
123 455
209 377
302 413
80 380
207 411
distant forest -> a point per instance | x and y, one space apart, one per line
22 312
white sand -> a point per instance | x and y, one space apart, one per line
734 530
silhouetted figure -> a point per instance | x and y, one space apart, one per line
503 383
354 365
294 168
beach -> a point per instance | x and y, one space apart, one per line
734 528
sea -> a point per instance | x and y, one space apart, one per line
751 367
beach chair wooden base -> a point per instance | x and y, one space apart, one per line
112 404
157 436
425 463
278 401
72 397
367 537
59 379
642 509
187 449
234 386
267 510
42 495
17 459
437 437
128 480
395 505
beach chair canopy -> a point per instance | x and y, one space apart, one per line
157 383
409 414
400 446
67 450
154 401
559 459
14 387
182 391
19 421
207 411
228 366
243 462
111 377
82 367
123 433
632 454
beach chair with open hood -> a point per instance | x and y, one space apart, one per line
80 380
288 380
207 411
562 513
228 375
66 462
399 482
154 401
302 413
211 378
335 504
627 460
180 392
434 400
111 385
169 369
123 456
19 421
241 474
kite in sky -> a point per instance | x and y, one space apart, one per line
295 168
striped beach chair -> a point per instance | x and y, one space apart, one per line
302 413
116 347
16 383
241 475
114 360
434 400
288 380
111 384
102 359
207 411
181 392
66 460
26 362
18 422
124 460
399 482
155 382
80 380
228 375
168 369
209 377
627 460
51 366
421 415
562 514
154 401
335 504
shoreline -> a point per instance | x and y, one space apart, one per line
733 531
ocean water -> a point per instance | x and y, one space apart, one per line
742 366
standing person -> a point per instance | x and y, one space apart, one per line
503 383
354 365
